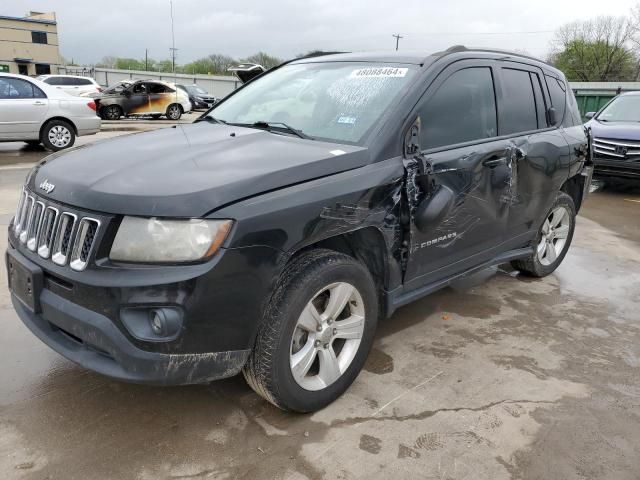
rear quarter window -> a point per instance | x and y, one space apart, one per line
557 92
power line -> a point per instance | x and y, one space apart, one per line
397 37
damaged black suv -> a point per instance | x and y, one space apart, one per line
271 236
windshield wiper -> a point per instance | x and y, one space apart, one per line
281 125
210 119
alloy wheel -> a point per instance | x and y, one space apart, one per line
327 336
555 231
59 136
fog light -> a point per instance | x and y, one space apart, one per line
157 322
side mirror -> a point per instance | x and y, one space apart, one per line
589 115
551 116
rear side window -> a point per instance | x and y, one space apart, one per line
541 107
463 109
518 107
157 88
557 93
54 81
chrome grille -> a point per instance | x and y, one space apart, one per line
54 233
621 150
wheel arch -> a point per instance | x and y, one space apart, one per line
574 187
366 245
64 119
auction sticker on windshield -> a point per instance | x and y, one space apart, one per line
377 72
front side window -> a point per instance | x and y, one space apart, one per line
463 109
15 88
335 101
518 107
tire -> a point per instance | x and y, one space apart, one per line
111 112
174 112
318 275
57 135
551 245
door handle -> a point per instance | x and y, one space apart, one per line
38 103
494 161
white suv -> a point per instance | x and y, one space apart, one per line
72 84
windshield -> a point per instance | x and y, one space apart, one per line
335 101
625 108
195 90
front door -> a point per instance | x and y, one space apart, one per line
459 189
137 101
23 107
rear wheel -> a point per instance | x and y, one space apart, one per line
57 135
174 111
111 112
316 333
553 239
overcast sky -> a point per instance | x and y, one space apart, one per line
89 30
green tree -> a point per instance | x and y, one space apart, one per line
598 50
264 59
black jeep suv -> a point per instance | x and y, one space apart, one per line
271 236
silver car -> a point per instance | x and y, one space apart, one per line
35 112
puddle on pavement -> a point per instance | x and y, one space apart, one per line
379 362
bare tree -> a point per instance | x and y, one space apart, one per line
596 50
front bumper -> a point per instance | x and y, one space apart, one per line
617 168
93 341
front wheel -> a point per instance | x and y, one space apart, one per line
553 239
316 333
111 112
174 111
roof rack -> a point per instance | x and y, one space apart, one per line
462 48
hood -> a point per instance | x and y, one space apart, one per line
615 130
247 71
187 170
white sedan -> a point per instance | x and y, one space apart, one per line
35 112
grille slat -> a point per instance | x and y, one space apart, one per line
54 233
34 226
45 237
25 218
83 244
62 240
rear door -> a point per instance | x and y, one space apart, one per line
470 183
23 107
160 97
541 153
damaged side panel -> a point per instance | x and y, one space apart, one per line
362 205
460 208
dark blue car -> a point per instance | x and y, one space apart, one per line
616 136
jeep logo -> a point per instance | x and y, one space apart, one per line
46 186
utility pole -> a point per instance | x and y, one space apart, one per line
173 42
397 37
146 59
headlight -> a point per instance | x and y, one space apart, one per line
155 240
